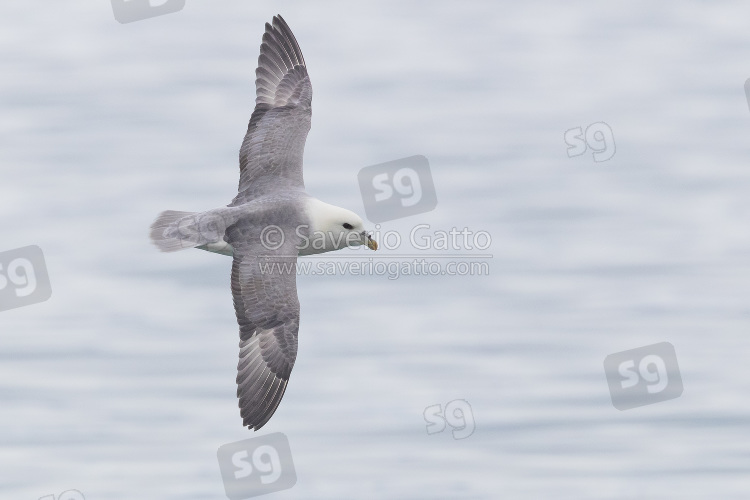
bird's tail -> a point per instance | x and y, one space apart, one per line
173 230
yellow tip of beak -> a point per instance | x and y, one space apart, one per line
372 244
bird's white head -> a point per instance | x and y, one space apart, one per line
333 228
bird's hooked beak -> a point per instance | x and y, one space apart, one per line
371 244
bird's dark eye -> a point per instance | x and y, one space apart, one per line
348 226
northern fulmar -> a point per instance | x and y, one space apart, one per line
270 222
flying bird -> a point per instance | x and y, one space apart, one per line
270 222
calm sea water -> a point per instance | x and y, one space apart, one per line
121 385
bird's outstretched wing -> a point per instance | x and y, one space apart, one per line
271 154
264 291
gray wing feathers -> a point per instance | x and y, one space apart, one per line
271 153
267 308
259 388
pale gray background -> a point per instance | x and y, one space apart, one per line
122 384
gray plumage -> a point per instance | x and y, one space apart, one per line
270 195
270 192
270 164
268 314
271 154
